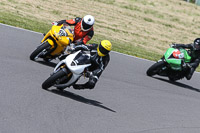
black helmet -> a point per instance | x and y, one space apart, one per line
196 44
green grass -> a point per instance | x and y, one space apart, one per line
33 24
56 12
17 20
106 1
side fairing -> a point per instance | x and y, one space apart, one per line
76 69
174 63
187 57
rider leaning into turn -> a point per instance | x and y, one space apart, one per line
194 52
99 60
83 28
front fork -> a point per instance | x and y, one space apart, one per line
164 69
44 52
50 49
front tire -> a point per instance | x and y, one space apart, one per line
52 79
155 68
35 53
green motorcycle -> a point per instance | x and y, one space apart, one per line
172 64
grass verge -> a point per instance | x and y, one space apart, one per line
34 24
40 26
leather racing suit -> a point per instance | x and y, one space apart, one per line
195 58
81 37
99 64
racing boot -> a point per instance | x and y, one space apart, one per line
79 86
60 88
89 85
189 74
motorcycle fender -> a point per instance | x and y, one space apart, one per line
46 36
64 41
59 65
50 42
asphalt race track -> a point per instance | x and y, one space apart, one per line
124 100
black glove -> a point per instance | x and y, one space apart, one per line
71 50
173 45
61 22
79 43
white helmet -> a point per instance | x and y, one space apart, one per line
87 22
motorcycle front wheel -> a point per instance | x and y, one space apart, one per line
53 78
37 52
155 68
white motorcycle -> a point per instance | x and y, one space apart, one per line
68 71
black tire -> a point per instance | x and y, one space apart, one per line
38 50
52 79
155 68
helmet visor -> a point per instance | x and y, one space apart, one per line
86 26
196 46
103 50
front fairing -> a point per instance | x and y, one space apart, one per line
62 34
76 62
187 57
59 37
81 59
175 63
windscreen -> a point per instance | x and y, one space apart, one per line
64 30
82 59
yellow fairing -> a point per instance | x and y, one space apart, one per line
62 35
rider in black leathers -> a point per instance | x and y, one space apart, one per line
99 60
194 52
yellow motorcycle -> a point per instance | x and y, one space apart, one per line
54 43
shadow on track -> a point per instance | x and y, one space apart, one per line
179 84
81 99
50 64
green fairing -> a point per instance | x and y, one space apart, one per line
187 58
176 63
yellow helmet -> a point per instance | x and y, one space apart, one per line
104 48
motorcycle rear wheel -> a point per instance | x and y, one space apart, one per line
39 50
155 68
52 79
